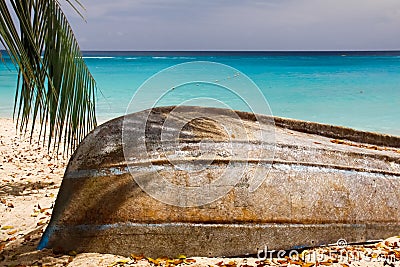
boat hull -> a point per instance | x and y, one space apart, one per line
314 190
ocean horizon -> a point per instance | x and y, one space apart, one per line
356 89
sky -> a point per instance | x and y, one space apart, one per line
237 24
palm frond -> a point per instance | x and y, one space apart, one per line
55 87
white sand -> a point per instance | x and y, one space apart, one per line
29 182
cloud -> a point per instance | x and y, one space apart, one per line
239 25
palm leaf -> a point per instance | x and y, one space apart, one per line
55 87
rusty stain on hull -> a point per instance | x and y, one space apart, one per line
314 191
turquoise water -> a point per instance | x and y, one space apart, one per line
358 90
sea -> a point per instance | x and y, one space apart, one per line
360 90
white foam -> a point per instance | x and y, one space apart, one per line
99 57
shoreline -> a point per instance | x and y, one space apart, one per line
319 128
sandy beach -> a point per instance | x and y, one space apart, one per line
30 180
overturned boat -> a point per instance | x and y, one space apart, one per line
213 182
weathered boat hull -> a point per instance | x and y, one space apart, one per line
313 191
